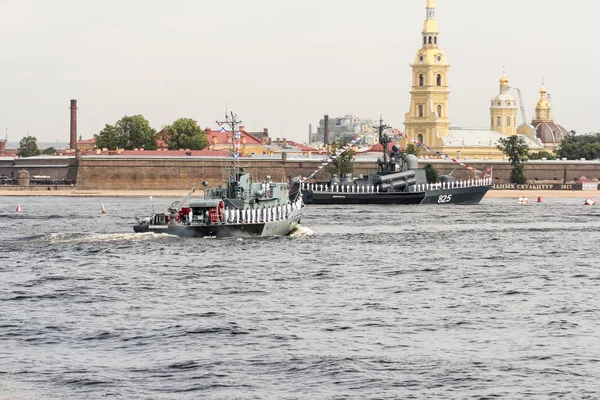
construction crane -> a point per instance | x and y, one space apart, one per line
521 104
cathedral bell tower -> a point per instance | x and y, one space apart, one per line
427 120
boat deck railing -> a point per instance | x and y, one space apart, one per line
424 187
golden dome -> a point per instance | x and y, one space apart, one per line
543 103
504 80
430 3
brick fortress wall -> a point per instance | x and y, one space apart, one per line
183 173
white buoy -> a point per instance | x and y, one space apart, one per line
523 200
589 202
102 208
18 208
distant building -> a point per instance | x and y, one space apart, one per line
347 128
543 126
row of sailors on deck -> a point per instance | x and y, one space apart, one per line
324 187
249 215
264 214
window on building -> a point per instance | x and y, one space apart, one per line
435 40
421 110
439 80
507 121
439 111
424 39
420 138
421 80
499 121
492 121
429 39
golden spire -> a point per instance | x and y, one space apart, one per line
430 25
504 79
543 89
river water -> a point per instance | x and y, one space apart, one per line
492 300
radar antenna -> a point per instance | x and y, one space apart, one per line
232 121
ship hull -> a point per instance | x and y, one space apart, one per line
467 195
259 229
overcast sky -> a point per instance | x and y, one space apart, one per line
281 65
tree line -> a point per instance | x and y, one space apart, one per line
572 147
133 132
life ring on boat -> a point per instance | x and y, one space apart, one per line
220 212
212 213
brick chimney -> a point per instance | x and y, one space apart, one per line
73 137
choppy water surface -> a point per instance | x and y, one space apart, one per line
494 300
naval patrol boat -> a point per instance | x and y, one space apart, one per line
239 208
398 180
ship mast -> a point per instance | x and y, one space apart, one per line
384 139
232 121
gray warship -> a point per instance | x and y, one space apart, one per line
398 180
240 208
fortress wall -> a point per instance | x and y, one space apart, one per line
176 173
56 167
116 172
183 173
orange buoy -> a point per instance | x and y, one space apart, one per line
18 208
539 199
590 202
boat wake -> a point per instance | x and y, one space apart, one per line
74 238
300 231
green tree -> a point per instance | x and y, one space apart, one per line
185 134
517 175
343 163
516 149
28 147
431 174
542 154
49 151
412 148
135 132
583 146
130 132
107 138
